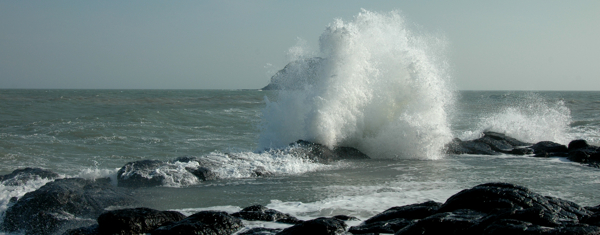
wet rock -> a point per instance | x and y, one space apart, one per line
491 143
140 174
584 153
204 222
458 146
375 227
322 154
318 226
296 75
498 197
261 231
91 230
346 218
456 222
396 218
577 144
262 213
203 173
493 208
550 148
414 211
22 176
63 204
135 220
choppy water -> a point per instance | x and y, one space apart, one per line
91 133
379 88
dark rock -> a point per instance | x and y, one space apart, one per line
204 222
203 173
135 220
140 174
64 204
491 143
318 226
458 146
587 154
499 197
505 139
456 222
577 144
322 154
262 213
91 230
386 226
414 211
296 75
593 209
395 218
346 218
261 231
21 176
520 151
548 147
515 227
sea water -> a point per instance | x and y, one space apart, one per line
393 100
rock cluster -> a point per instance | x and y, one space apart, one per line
22 176
149 173
493 143
63 204
493 208
78 206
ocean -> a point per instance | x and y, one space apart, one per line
92 133
377 86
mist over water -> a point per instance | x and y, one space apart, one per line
527 116
377 86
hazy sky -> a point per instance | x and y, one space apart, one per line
501 45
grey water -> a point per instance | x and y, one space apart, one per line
92 133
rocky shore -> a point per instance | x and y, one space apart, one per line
83 206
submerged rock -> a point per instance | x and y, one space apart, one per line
22 176
63 204
204 222
140 174
135 220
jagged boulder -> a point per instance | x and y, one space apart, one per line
22 176
204 222
318 226
396 218
262 213
493 208
135 220
140 174
491 143
322 154
64 204
297 74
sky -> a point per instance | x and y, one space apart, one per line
499 45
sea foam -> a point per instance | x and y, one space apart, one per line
377 86
528 117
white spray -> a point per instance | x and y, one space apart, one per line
377 87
